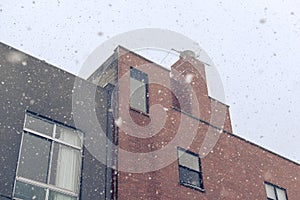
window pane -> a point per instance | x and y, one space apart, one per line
28 192
188 160
68 135
138 75
34 158
39 125
58 196
189 177
138 95
270 191
281 194
65 168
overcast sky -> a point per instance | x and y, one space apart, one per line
254 45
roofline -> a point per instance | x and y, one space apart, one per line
136 54
218 101
140 56
263 148
236 136
119 46
50 65
99 68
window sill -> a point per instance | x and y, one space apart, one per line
192 187
139 111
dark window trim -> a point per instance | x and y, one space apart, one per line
44 118
4 196
140 76
139 111
188 151
274 187
190 169
201 188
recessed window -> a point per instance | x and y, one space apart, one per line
49 164
190 169
139 99
274 192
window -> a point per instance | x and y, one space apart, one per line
49 164
190 169
139 98
274 192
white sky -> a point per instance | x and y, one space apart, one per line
254 44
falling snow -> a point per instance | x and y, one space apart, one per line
189 78
119 121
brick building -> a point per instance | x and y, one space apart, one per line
133 130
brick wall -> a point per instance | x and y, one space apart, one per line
232 167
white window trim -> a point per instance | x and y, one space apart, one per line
47 186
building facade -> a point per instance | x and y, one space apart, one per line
43 154
132 130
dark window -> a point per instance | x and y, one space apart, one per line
139 98
35 154
274 192
49 162
28 191
190 169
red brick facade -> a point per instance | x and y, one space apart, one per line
232 168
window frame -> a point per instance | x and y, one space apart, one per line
139 76
48 187
275 191
201 188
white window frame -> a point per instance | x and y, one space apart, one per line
47 186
